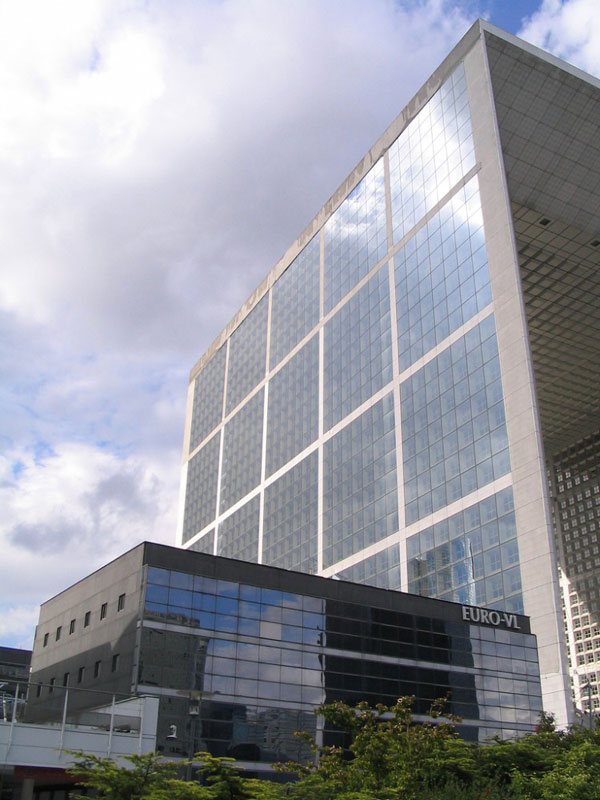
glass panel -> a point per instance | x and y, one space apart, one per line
454 436
242 451
358 349
382 569
290 518
295 301
247 354
204 545
431 155
442 276
355 236
454 568
238 534
360 495
207 409
201 489
293 416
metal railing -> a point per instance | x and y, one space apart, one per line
59 712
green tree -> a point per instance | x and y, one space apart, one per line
143 774
149 777
388 755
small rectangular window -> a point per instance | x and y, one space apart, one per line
86 619
52 685
66 679
38 690
121 602
45 640
58 632
97 668
103 610
115 663
71 627
80 674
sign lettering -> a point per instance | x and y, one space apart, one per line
487 617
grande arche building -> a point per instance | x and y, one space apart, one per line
409 399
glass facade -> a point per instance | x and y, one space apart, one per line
381 412
442 277
355 237
431 155
207 410
238 533
471 557
291 518
358 349
201 497
242 452
293 418
453 431
247 354
360 500
257 661
295 301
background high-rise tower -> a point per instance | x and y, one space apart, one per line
389 403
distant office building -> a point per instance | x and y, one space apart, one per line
14 676
14 665
575 492
390 401
241 654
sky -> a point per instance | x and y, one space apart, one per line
157 157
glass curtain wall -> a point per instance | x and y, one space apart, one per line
353 423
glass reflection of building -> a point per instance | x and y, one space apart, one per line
258 660
387 404
242 654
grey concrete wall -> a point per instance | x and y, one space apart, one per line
538 567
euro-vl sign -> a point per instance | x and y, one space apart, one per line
484 616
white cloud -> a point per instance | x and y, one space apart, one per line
156 159
68 509
161 152
17 623
569 29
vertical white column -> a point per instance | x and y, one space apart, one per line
534 528
321 400
395 373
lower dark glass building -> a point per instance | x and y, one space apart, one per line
241 654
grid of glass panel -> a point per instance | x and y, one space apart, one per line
293 413
201 489
382 569
358 349
355 236
453 428
431 155
509 659
514 694
247 354
295 301
207 409
257 653
290 518
471 558
360 499
442 277
238 533
242 454
206 544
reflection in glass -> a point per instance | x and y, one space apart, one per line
207 407
355 236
